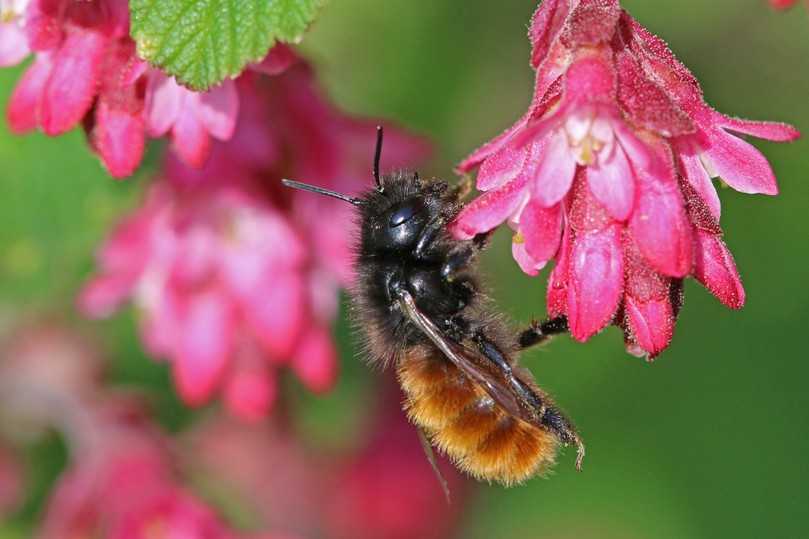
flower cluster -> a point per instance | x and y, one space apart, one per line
86 73
609 174
127 479
121 480
385 488
234 275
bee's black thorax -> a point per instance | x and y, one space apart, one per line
404 244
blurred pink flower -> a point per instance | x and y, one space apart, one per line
783 4
192 117
231 277
284 482
174 514
380 486
609 173
13 41
224 286
388 490
11 481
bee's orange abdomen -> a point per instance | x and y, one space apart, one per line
465 423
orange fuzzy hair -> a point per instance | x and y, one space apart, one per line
467 425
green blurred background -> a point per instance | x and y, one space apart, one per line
710 441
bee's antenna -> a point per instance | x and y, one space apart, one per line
321 191
378 156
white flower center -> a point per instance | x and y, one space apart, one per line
587 135
12 10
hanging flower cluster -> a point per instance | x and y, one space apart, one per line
609 174
233 275
86 73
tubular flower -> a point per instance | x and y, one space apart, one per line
230 282
609 174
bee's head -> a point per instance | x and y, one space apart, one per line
393 219
395 212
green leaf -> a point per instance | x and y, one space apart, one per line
202 42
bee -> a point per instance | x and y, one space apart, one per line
423 311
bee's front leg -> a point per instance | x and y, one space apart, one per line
540 332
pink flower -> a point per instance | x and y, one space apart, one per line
223 283
174 514
86 72
388 490
609 173
13 41
192 117
231 279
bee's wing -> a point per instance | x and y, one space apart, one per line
471 362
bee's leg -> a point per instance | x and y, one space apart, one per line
540 332
464 186
459 258
545 411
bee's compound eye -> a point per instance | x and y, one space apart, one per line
404 213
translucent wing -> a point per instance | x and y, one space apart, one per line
472 363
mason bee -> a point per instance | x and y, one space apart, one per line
421 307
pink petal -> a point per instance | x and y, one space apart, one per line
596 277
489 210
164 103
716 270
590 79
491 147
661 228
700 180
555 170
24 106
277 313
646 103
775 131
119 138
278 60
103 295
612 183
218 109
13 44
591 22
73 81
558 280
651 323
640 154
43 27
501 167
191 140
203 346
249 394
740 164
546 22
542 229
315 360
528 264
